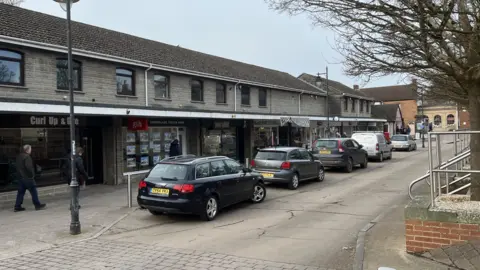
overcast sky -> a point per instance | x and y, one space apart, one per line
243 30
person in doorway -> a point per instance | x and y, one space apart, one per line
408 130
174 148
26 181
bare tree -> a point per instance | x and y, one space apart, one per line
435 41
12 2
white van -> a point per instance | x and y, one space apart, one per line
375 145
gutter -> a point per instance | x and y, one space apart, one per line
146 85
359 97
111 58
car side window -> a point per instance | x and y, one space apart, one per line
232 166
202 170
218 168
348 144
295 155
355 144
304 154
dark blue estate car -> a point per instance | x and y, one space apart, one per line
198 185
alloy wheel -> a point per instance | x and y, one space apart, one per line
211 210
258 193
321 174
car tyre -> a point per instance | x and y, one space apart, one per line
409 148
210 208
294 182
321 174
259 193
155 213
380 158
364 163
349 166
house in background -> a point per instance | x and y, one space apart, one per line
444 115
351 106
392 113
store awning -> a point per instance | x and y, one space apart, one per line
297 121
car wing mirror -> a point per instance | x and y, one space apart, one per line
360 146
246 170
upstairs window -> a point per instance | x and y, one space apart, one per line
11 68
196 87
245 93
361 105
450 119
437 120
161 84
367 106
62 74
125 82
353 105
221 93
262 97
345 104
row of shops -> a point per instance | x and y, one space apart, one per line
116 144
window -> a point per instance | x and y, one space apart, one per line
161 84
218 168
262 97
233 167
245 92
353 105
202 170
11 68
221 93
62 74
168 171
197 90
304 155
355 144
345 104
361 105
367 105
295 155
125 82
271 155
437 120
348 144
450 119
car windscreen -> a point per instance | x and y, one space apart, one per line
271 155
365 138
399 138
168 172
329 144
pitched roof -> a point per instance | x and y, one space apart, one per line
386 111
392 93
334 87
39 27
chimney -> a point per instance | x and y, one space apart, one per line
355 87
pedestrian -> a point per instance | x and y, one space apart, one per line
26 179
174 148
344 135
408 130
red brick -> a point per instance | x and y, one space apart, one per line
431 245
419 233
415 249
475 233
413 222
460 232
408 227
409 238
441 241
450 225
414 244
471 227
431 229
454 242
423 239
432 234
450 236
431 224
469 237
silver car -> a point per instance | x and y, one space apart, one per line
403 142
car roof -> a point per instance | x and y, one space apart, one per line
281 148
334 139
190 159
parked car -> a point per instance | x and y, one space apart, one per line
404 142
340 153
375 144
198 185
289 165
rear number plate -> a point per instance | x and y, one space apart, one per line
160 191
326 152
267 175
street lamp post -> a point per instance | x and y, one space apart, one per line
319 82
75 227
423 124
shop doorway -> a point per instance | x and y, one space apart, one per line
91 142
182 138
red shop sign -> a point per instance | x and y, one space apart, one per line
137 124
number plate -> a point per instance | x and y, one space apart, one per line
160 191
325 152
267 175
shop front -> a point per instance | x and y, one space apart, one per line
294 131
49 136
224 138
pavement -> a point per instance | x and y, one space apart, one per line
314 227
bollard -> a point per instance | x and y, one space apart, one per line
129 191
247 163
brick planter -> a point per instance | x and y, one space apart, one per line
427 229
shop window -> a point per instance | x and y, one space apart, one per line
62 74
245 93
125 82
161 84
265 137
220 142
11 67
196 90
437 120
262 97
345 104
221 93
202 170
450 119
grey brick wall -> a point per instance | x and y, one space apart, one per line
349 112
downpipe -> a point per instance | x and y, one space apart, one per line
235 96
146 84
300 102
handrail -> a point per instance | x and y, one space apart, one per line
129 184
458 180
459 189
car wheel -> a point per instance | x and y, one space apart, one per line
349 167
321 174
155 213
409 148
294 181
364 163
380 159
210 209
259 193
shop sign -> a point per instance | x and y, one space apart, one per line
50 121
135 124
260 123
167 122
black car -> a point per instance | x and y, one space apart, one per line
340 153
198 185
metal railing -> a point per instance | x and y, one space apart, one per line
129 184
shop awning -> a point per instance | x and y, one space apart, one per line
297 121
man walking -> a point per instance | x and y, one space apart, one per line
26 181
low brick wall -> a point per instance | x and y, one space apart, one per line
427 229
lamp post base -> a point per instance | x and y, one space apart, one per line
75 227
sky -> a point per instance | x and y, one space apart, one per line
242 30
